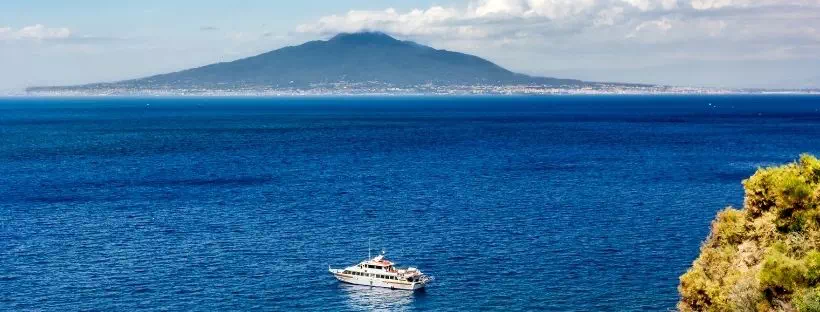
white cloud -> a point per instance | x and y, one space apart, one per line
499 19
586 21
551 9
608 17
659 27
34 32
545 36
492 13
718 4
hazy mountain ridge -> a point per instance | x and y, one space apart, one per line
355 58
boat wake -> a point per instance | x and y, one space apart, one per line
366 298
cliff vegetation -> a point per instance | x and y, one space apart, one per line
766 256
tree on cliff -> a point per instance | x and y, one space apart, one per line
766 256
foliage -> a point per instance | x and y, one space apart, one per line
809 301
766 256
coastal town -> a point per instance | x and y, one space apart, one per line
381 89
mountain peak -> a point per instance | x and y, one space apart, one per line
363 37
369 58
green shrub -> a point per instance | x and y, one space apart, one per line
808 302
759 197
782 274
729 227
794 192
810 167
812 263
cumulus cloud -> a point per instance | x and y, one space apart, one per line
564 36
34 32
586 22
494 17
717 4
39 33
660 26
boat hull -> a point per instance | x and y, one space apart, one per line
375 282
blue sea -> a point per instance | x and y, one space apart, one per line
511 203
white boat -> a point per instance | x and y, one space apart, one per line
380 272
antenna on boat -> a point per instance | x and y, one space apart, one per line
368 248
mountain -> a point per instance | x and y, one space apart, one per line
766 256
353 58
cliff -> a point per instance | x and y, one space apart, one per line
766 256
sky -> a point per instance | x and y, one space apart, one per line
714 43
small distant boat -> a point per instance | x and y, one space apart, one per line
380 272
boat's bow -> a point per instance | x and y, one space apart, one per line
334 271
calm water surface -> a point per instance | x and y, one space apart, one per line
514 204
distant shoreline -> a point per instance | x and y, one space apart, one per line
390 96
426 90
376 95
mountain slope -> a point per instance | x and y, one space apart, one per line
367 57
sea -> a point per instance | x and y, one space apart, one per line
564 203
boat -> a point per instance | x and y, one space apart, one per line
380 272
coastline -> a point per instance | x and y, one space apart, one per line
670 91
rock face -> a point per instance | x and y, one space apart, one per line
766 256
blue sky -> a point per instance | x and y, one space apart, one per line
733 43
